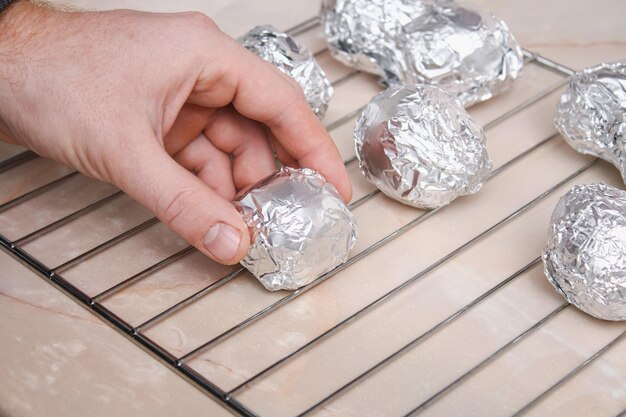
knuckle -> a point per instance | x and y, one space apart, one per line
294 88
201 21
172 209
294 99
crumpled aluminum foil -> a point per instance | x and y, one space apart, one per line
591 114
293 59
362 33
418 145
585 257
300 228
467 52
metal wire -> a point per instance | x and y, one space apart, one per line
149 270
305 26
385 297
351 318
553 66
68 218
344 119
571 374
227 278
105 245
120 324
435 265
411 344
345 78
320 52
526 103
37 191
488 360
28 155
215 285
181 364
72 216
350 261
178 306
16 160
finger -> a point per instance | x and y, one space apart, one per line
210 164
260 92
187 205
283 155
191 120
246 141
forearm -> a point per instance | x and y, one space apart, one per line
19 24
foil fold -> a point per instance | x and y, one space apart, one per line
295 60
419 146
591 114
468 52
585 255
300 228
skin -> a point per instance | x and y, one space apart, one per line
164 106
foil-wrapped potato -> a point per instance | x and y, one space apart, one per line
293 59
591 114
465 51
418 145
585 257
300 228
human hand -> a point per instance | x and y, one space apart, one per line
165 106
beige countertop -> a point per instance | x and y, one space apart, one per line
60 359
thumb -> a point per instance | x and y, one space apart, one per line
188 206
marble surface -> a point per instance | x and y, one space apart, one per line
62 360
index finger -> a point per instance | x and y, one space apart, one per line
261 92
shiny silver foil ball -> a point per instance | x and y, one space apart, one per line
467 52
418 145
300 228
591 114
585 257
293 59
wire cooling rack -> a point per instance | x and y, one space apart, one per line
243 345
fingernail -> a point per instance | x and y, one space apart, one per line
222 241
